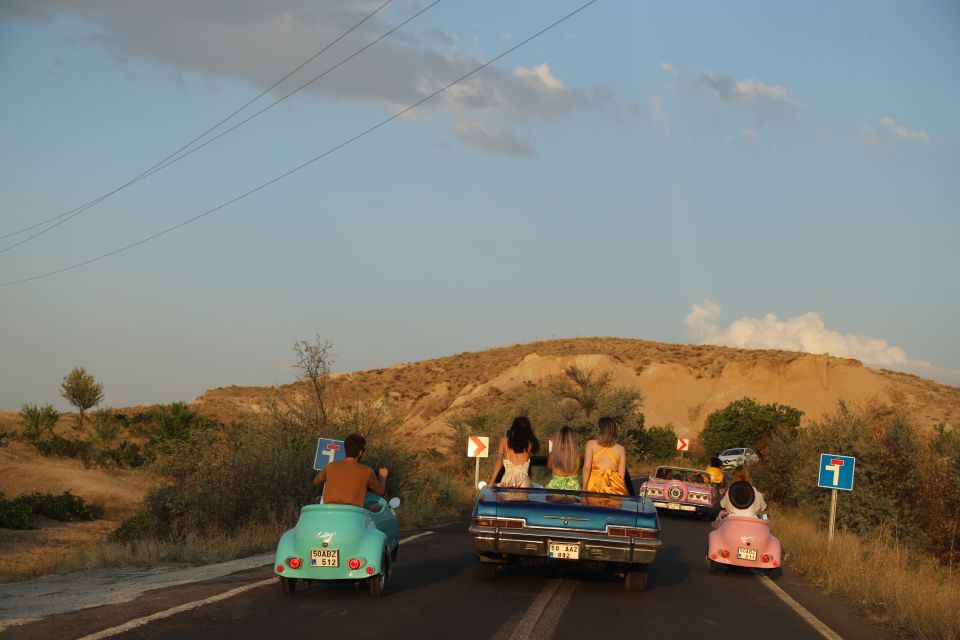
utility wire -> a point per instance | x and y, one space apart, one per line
67 215
308 162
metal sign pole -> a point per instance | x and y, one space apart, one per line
833 515
476 473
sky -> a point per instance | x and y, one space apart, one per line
750 174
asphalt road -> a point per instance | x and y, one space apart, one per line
433 594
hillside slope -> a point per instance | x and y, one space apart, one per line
681 384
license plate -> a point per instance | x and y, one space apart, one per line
744 553
324 557
673 505
564 550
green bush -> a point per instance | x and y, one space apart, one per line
4 437
745 423
106 426
15 514
57 445
38 421
65 507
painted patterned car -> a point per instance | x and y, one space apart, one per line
536 526
340 542
680 489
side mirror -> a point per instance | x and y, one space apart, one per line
481 485
394 502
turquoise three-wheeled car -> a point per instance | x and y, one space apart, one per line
339 542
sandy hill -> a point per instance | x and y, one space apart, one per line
681 384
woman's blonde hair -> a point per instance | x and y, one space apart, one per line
607 432
565 455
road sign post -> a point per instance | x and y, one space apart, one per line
682 445
477 447
836 474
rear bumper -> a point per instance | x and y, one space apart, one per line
681 506
534 544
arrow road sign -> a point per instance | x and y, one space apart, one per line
478 447
328 451
836 472
682 444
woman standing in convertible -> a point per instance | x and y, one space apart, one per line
605 461
513 455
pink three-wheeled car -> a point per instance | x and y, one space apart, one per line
744 542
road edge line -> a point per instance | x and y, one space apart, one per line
415 536
799 609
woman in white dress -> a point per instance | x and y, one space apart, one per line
513 455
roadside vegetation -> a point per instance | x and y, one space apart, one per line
897 548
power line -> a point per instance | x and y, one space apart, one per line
67 215
308 162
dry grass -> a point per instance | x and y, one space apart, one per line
145 553
890 581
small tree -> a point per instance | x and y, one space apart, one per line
82 391
314 362
745 423
583 388
38 421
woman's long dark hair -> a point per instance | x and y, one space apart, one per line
521 436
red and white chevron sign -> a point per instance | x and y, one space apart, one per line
478 447
683 444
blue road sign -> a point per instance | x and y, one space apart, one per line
836 472
328 451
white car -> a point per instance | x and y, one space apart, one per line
741 455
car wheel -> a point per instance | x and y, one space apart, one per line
636 579
288 585
711 566
394 553
773 574
485 570
379 581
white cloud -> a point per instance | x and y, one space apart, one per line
494 139
212 38
748 93
748 134
807 333
902 133
669 68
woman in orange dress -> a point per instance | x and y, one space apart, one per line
605 461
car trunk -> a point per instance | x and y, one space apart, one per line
572 510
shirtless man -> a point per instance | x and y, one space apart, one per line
347 481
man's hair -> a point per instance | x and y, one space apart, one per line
715 462
354 444
607 432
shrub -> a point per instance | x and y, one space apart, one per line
106 426
655 443
57 445
15 514
65 507
745 423
38 421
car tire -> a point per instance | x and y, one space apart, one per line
636 579
394 553
712 566
287 585
485 571
773 574
379 581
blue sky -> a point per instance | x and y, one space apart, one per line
732 173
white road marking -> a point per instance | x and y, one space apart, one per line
139 622
540 620
811 619
415 536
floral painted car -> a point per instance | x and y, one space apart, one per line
340 542
680 489
536 526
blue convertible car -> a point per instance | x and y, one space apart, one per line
542 526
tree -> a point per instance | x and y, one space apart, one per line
38 421
82 391
745 423
583 388
314 362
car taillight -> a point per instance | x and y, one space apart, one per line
503 523
294 563
369 570
632 532
355 563
279 568
764 558
724 553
